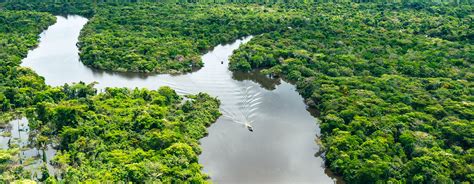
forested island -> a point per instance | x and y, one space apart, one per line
393 84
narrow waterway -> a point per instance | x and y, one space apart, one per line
281 148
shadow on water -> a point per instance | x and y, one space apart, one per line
134 75
255 76
279 147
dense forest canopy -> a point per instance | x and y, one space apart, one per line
394 84
127 135
18 33
118 135
395 89
168 38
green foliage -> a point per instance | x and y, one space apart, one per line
393 85
18 86
128 135
19 32
119 135
83 7
169 38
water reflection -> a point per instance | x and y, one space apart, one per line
16 135
280 149
257 77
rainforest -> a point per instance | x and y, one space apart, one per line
236 92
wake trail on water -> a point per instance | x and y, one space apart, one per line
246 103
240 100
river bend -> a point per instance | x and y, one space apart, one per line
281 148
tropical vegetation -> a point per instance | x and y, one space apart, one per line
119 135
19 32
394 86
18 86
169 38
126 135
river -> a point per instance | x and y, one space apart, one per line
281 148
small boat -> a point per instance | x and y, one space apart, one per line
249 127
222 62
